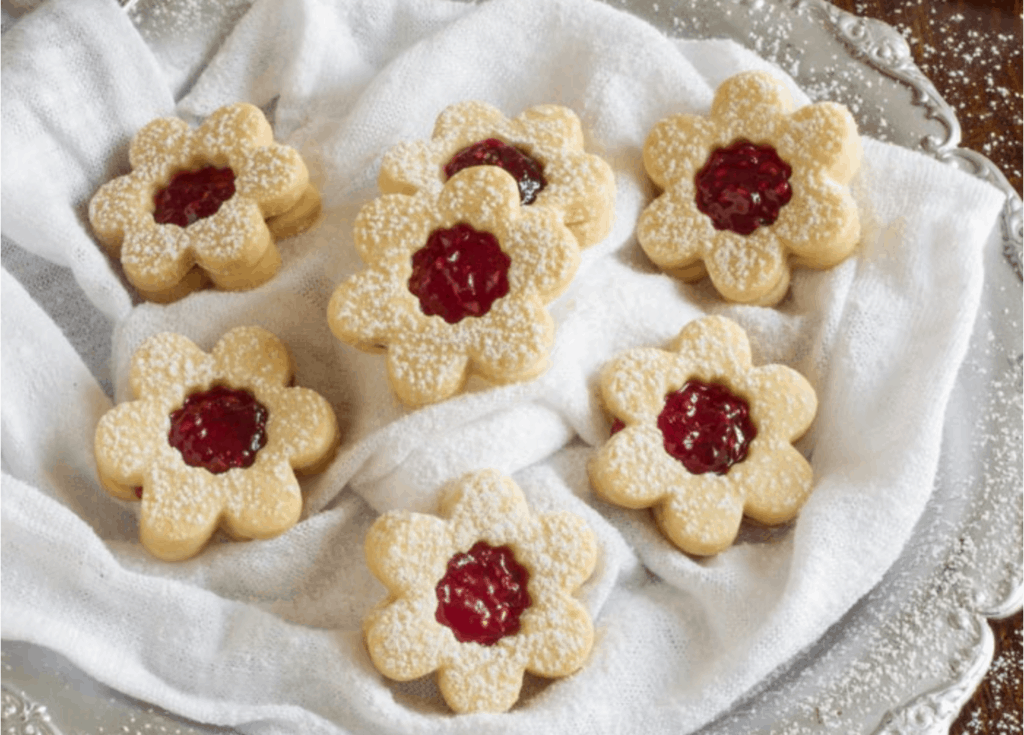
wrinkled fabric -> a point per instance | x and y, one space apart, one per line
265 636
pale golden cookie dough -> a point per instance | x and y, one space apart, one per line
182 505
701 513
409 553
817 228
234 247
428 358
580 185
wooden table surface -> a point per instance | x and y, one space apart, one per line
971 51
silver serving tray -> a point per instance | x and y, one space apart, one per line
908 656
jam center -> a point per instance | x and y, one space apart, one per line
743 187
706 427
219 429
482 594
526 170
193 195
460 272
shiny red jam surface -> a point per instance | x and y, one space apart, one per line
743 187
193 195
460 272
706 427
219 429
527 171
482 594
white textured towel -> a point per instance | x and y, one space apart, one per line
265 636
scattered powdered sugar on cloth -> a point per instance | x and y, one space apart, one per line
267 635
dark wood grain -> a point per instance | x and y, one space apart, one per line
971 51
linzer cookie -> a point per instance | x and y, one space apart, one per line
213 440
481 594
702 437
751 190
542 148
455 284
204 205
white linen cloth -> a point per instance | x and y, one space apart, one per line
265 636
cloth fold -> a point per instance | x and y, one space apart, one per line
265 636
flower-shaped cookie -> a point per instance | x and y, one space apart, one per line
480 595
456 283
751 190
204 204
703 437
213 439
542 148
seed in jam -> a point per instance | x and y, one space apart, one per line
706 427
460 272
219 429
526 170
193 195
743 186
482 594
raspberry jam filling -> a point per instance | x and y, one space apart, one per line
482 594
219 429
460 272
527 171
706 427
743 187
193 195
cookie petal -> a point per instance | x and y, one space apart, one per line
719 345
820 225
263 500
252 355
776 482
552 126
456 118
120 206
407 168
156 257
634 384
746 98
512 340
822 135
423 372
633 470
180 511
404 640
747 268
391 228
367 309
558 636
230 131
159 148
568 551
303 421
702 516
672 231
486 196
408 551
484 684
168 364
783 401
273 176
123 444
484 504
544 254
677 147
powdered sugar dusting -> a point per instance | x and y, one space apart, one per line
580 186
428 358
405 639
181 504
